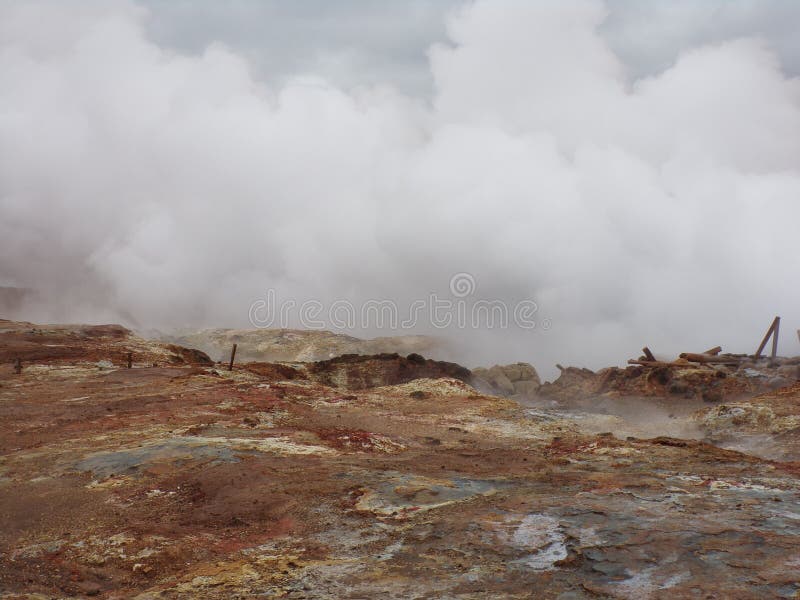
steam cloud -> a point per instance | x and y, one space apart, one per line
160 189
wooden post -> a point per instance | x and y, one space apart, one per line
648 355
775 337
18 366
130 359
772 329
233 355
714 351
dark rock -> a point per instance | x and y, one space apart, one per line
678 387
189 355
711 395
356 372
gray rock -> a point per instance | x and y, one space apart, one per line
507 380
789 371
500 380
526 388
778 382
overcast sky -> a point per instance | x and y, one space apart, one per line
375 41
633 168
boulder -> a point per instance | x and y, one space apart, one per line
501 381
526 388
518 379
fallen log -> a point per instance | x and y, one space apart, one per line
708 358
660 363
714 351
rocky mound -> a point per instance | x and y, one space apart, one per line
71 344
766 425
710 383
290 345
516 380
355 372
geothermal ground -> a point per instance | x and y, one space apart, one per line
383 477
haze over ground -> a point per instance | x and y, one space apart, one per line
634 171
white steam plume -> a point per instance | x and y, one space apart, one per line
163 190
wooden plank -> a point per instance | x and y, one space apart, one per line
714 351
763 343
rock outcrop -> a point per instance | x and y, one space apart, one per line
355 372
74 344
518 380
287 345
711 383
